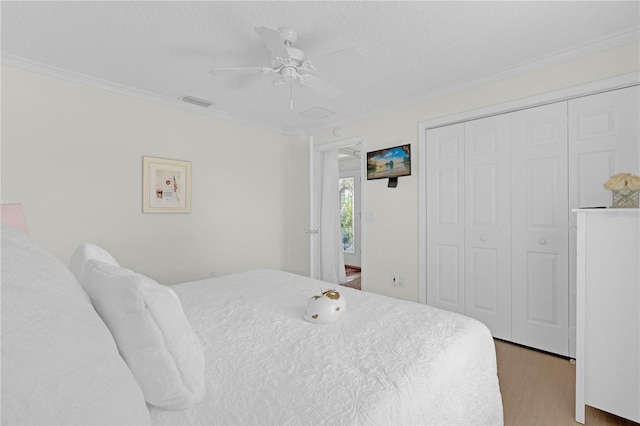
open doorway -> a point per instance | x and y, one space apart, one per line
350 213
323 257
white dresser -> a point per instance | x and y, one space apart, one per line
608 312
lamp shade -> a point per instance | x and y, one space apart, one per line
12 215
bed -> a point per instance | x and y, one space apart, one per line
385 361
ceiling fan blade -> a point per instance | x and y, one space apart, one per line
241 70
320 86
273 40
339 58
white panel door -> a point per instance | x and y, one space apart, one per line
445 220
487 215
540 214
604 139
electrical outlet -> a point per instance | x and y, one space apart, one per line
397 280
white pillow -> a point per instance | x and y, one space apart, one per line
60 364
86 252
152 333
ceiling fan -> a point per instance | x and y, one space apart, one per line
291 63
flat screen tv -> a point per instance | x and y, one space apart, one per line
389 163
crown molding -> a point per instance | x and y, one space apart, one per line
605 43
86 80
586 89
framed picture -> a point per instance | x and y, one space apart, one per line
166 185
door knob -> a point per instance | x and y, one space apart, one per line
483 238
542 241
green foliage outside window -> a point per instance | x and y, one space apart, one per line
346 213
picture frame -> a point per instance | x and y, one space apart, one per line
166 185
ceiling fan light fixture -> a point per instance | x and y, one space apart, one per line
287 61
288 73
296 56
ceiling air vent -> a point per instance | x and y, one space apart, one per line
196 101
317 113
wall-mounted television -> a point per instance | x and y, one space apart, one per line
389 163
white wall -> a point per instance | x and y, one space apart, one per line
72 155
391 240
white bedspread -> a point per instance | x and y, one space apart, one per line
385 361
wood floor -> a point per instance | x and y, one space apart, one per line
539 389
354 277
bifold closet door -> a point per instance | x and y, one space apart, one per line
500 236
445 218
487 212
540 212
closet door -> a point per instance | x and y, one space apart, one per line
488 223
445 217
540 213
603 140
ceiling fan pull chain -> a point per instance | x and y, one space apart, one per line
291 94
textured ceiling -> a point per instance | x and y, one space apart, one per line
408 50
